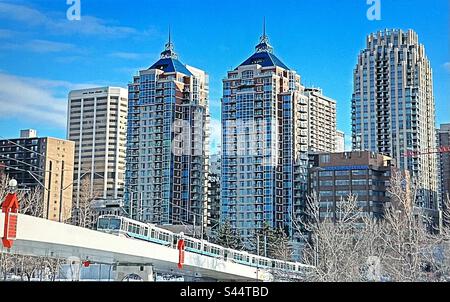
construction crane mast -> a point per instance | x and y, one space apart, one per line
440 150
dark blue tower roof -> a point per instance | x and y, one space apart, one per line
171 65
265 59
264 54
169 61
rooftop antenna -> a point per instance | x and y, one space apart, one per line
170 36
264 40
169 49
264 27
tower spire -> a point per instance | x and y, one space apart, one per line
264 41
264 27
169 50
170 36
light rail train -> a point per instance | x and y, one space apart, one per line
122 226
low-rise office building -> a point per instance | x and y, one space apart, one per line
335 176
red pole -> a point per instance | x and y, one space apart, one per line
181 246
11 208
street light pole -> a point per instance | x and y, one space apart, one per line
194 223
131 204
257 244
265 244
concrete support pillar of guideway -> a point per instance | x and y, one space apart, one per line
74 268
145 272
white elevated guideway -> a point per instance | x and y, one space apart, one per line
40 237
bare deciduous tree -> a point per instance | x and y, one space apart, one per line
406 235
282 248
351 245
336 245
84 214
7 264
4 184
29 267
31 202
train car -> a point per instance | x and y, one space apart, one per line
122 226
261 262
239 257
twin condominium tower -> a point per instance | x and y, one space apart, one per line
270 124
168 142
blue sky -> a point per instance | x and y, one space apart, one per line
43 55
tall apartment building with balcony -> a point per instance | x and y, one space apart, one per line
321 121
264 144
45 163
168 143
97 123
340 141
393 107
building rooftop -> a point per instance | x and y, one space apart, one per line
169 60
445 128
171 65
264 54
265 59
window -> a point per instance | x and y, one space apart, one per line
359 182
359 173
114 224
342 193
342 182
326 173
326 193
326 183
247 74
360 193
103 224
325 158
342 173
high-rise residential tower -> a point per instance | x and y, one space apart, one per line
393 109
97 123
340 141
321 121
264 144
168 143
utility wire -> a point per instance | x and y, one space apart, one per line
35 152
22 162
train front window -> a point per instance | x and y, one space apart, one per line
103 223
114 224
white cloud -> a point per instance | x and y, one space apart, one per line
49 46
131 70
5 33
34 98
69 59
88 25
39 46
216 135
128 55
21 13
447 66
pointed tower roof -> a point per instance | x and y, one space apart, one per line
169 60
264 41
264 53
